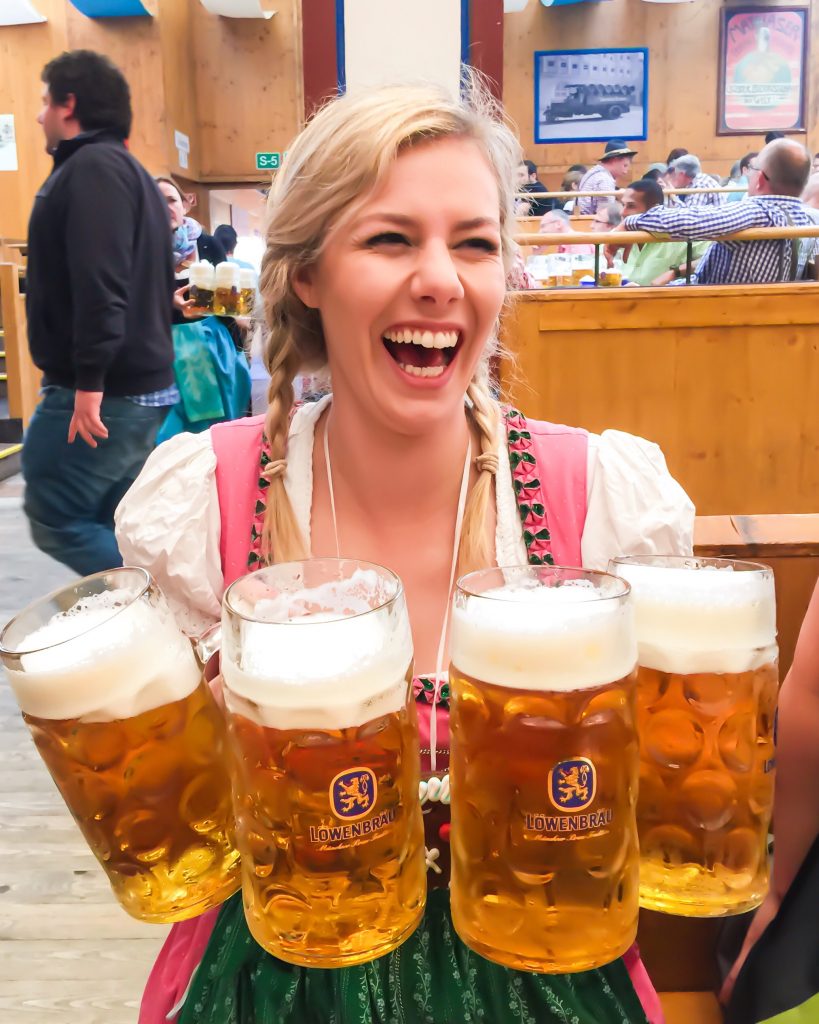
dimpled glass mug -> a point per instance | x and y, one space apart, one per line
115 700
317 668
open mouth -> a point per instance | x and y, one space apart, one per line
420 353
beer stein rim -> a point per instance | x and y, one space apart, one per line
466 585
14 653
689 562
384 572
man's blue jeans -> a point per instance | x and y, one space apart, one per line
72 490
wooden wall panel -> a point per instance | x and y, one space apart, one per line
181 113
233 86
683 42
24 50
248 81
723 379
133 45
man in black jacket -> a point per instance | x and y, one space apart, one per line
99 282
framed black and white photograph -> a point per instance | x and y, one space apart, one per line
591 95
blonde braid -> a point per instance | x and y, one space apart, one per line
476 550
282 539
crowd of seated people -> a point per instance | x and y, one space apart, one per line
777 186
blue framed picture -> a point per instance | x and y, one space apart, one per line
591 95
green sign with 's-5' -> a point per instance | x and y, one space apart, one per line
268 161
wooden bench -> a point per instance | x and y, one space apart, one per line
723 378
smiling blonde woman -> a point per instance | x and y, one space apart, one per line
388 247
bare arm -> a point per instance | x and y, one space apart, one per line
796 801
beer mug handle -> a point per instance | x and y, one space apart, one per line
208 644
207 648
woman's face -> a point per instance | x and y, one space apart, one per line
176 210
409 286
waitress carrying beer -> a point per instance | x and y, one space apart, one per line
388 247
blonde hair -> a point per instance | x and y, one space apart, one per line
345 150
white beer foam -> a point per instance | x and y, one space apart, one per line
318 671
544 638
101 661
708 619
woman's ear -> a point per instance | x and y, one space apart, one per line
304 286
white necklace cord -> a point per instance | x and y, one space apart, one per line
459 522
330 484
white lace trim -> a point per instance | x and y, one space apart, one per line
435 788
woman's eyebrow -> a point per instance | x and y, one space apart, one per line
462 225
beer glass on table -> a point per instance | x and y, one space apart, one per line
543 767
317 668
707 693
114 699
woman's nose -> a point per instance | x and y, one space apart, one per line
436 276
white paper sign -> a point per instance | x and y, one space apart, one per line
240 8
182 141
8 143
19 12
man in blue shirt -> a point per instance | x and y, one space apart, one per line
776 180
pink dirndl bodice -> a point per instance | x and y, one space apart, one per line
548 463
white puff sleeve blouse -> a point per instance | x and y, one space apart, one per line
169 521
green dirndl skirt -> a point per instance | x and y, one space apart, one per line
433 978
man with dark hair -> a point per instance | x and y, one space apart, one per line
98 299
614 164
742 180
528 182
651 263
773 136
778 176
675 154
225 235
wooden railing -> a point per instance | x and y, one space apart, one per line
613 194
23 376
624 238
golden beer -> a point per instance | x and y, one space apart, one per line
544 768
707 693
226 289
318 682
134 741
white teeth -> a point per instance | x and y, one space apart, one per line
426 339
422 371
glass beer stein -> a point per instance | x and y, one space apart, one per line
707 693
317 667
543 767
114 699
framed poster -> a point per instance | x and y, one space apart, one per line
591 95
762 70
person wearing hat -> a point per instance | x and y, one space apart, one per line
613 166
686 172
